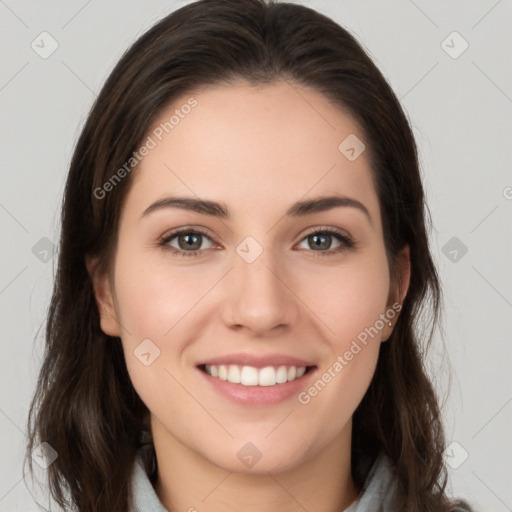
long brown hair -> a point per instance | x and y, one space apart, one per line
84 405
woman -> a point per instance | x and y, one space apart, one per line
277 365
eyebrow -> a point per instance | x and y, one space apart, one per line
298 209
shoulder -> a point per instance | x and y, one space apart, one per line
381 491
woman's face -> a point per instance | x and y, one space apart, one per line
256 288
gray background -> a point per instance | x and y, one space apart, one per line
460 106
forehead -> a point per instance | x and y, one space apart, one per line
251 146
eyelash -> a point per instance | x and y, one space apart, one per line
346 242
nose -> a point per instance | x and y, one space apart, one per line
258 297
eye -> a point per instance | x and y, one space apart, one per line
189 242
322 239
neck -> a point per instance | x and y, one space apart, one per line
189 482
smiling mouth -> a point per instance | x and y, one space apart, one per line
252 376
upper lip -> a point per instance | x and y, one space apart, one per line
257 361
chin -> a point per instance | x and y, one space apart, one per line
256 458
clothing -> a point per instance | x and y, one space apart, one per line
144 497
380 491
378 494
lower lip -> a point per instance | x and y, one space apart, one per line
257 395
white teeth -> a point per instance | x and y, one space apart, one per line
223 372
267 376
282 375
234 374
251 376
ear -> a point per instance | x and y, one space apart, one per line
104 298
399 288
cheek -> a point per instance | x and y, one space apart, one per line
154 297
160 302
350 302
152 306
352 308
348 299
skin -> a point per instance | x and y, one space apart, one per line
256 150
